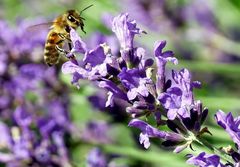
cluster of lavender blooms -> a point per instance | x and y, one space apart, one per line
157 14
179 21
34 118
131 78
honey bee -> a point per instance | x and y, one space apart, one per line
60 32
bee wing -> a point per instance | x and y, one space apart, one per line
41 26
38 31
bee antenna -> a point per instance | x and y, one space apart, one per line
86 8
82 18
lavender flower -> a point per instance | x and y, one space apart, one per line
161 59
33 104
130 79
179 99
149 13
205 160
149 131
125 31
135 81
25 146
230 124
78 45
96 158
182 134
96 132
170 99
202 14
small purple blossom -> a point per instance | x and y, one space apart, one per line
161 59
125 30
78 45
203 14
96 132
230 124
178 99
96 158
205 160
149 131
135 81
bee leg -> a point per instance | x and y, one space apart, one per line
69 56
64 37
61 50
61 35
70 46
50 65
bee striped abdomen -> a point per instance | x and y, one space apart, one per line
51 55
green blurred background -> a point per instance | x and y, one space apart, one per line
211 54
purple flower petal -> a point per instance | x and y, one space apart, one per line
144 139
117 92
230 125
147 131
145 128
95 57
78 45
164 56
22 117
125 30
96 158
70 68
5 138
205 160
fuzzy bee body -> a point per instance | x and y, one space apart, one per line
51 54
59 33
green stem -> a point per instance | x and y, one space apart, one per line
159 157
215 150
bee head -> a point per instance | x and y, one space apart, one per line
74 19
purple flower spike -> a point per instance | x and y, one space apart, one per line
27 89
205 160
231 125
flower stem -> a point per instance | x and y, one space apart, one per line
217 151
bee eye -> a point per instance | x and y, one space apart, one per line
70 18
